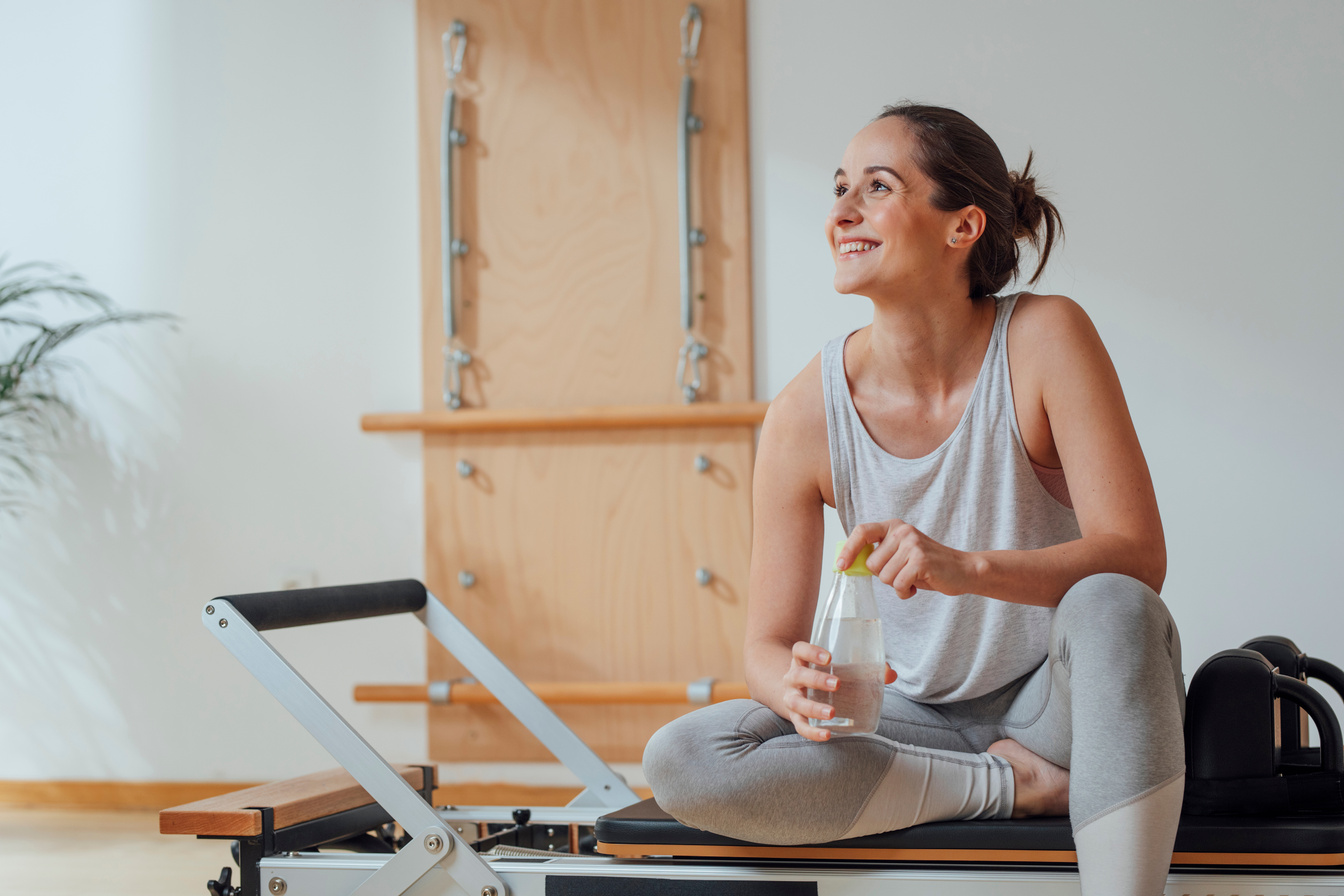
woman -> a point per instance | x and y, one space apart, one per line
1036 671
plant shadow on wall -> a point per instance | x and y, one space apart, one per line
68 504
34 402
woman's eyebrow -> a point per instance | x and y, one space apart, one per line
840 172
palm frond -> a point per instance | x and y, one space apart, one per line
32 407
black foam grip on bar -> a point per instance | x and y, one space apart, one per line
310 606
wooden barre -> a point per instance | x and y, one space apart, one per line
710 413
588 693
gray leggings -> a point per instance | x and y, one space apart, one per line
1107 704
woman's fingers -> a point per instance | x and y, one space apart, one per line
864 533
802 676
804 652
811 733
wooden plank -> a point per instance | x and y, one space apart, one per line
567 195
590 693
585 541
499 793
294 801
585 550
742 413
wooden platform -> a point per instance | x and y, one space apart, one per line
292 802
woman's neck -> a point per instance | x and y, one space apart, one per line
924 346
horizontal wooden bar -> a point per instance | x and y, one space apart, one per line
739 413
104 795
296 800
589 693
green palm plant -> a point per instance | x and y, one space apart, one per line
33 406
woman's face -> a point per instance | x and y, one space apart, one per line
883 233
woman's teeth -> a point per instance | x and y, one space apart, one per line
857 246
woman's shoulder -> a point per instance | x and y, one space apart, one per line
1049 327
1045 314
794 454
801 404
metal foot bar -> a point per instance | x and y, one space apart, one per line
238 621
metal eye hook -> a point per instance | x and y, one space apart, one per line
690 35
452 55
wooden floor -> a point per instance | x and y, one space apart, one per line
74 852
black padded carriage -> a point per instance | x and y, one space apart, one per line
644 829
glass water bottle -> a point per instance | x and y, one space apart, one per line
849 628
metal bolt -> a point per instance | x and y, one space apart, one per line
550 832
465 468
701 463
223 623
695 124
466 579
489 891
703 577
277 885
698 237
433 843
209 609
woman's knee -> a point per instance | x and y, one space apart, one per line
686 760
1112 604
1119 623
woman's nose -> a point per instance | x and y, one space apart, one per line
844 211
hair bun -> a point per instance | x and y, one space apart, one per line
1028 206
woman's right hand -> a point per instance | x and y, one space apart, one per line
802 676
798 679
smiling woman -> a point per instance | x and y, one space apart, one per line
1034 669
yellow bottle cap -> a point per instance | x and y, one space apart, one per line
859 567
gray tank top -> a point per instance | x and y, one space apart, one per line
977 491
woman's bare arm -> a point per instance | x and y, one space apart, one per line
1072 412
787 531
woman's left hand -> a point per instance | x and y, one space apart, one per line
908 560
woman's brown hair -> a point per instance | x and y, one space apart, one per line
967 168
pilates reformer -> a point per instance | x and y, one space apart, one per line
390 839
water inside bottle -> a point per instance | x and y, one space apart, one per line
856 660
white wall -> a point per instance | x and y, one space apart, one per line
251 167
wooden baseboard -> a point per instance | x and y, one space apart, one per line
159 795
516 795
153 795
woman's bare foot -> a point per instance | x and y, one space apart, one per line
1039 786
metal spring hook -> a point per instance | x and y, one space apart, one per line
452 56
691 352
690 35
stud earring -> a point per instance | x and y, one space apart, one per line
954 241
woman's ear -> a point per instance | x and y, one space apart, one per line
967 226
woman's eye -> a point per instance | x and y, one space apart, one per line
878 184
839 190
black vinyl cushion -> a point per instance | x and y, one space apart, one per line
645 823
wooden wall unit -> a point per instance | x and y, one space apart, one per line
584 543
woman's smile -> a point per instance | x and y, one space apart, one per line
855 248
